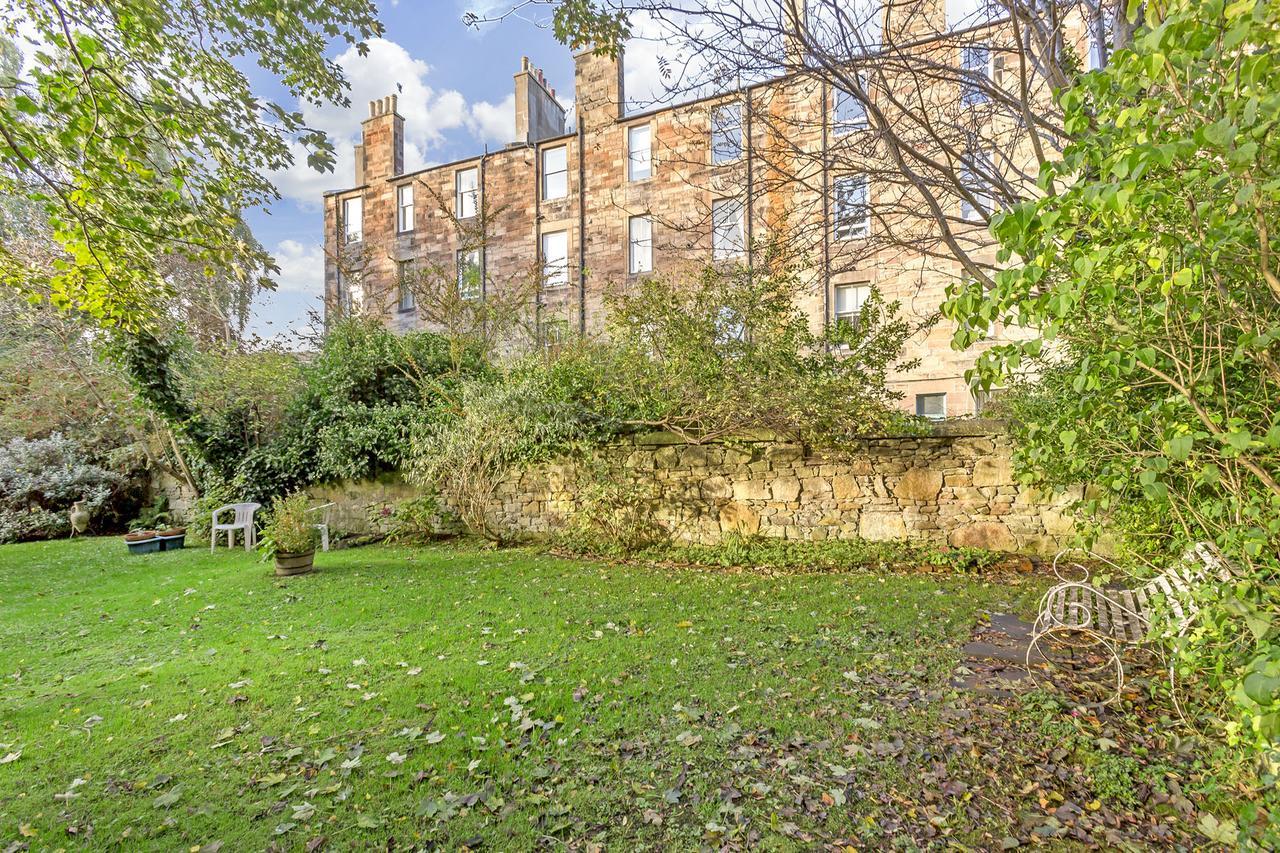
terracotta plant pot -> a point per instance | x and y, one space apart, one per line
295 564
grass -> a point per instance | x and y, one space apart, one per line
466 697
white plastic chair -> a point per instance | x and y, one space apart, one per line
323 524
243 520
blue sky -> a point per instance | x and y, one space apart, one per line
456 98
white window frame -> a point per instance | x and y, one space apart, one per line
639 161
640 244
932 395
555 271
726 131
465 261
407 299
728 235
846 124
561 175
859 293
351 234
466 199
976 185
976 58
404 209
844 207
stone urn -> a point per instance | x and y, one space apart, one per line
79 517
295 564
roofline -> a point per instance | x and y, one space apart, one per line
623 120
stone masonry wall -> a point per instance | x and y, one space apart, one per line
944 489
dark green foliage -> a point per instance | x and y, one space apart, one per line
352 416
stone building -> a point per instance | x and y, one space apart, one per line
623 195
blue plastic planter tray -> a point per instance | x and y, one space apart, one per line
172 543
145 546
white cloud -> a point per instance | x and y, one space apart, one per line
429 114
301 268
494 122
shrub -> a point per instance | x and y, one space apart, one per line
289 528
1146 275
528 418
613 516
39 481
731 350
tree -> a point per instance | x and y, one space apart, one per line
142 141
1147 277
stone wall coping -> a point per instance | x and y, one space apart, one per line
958 427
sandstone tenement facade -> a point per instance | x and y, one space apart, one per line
623 195
955 490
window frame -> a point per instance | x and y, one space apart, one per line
931 395
723 253
844 126
632 175
401 208
344 230
646 243
854 316
976 185
845 227
404 269
554 279
719 132
547 173
972 94
460 194
464 256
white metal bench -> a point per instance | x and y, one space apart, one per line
1076 614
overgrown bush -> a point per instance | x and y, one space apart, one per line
732 350
274 425
40 479
528 418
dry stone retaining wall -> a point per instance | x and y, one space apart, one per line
941 488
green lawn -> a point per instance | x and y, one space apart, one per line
461 697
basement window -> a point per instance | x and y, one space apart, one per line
467 190
931 406
555 172
555 259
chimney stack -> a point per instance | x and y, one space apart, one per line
381 152
538 114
